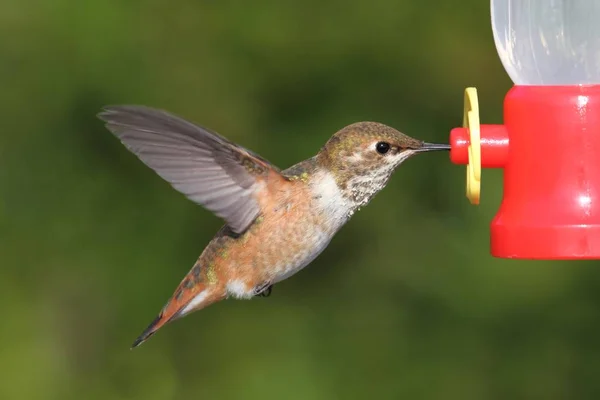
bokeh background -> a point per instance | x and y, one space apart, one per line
405 303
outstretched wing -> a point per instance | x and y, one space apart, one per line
207 168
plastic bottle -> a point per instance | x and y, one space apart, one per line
548 42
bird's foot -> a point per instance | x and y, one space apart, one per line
263 290
266 292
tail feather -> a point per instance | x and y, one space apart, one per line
149 331
186 299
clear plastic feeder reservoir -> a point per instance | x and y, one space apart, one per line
549 144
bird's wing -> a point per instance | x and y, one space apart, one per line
210 170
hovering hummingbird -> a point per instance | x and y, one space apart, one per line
276 222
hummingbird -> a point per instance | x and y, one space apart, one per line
276 221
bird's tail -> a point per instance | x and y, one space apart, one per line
191 295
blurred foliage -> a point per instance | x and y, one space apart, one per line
405 303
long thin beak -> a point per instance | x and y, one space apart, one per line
432 147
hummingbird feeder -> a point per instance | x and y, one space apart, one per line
549 144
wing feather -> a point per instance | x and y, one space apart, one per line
204 166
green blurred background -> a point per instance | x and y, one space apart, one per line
405 303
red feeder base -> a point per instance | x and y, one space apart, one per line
549 147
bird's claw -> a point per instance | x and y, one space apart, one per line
266 292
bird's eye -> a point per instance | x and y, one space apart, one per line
382 147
